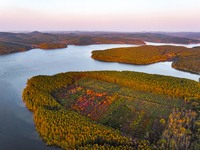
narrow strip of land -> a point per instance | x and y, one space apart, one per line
185 59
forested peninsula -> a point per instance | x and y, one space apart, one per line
115 110
185 59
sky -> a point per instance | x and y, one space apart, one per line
100 15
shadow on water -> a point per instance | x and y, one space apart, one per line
17 131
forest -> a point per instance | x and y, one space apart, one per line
115 110
6 48
186 59
51 45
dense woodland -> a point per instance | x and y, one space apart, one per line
191 35
16 42
6 47
115 110
52 45
186 59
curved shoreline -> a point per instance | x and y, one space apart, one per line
183 70
186 70
142 56
59 125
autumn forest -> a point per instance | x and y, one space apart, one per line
115 110
185 59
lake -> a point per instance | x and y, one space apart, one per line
17 129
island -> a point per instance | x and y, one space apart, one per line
185 59
115 110
17 42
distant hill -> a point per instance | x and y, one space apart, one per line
6 48
148 36
191 35
16 42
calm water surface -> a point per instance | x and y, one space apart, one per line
17 131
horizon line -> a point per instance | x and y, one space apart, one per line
100 31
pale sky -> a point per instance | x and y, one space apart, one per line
100 15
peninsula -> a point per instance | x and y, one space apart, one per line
185 59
